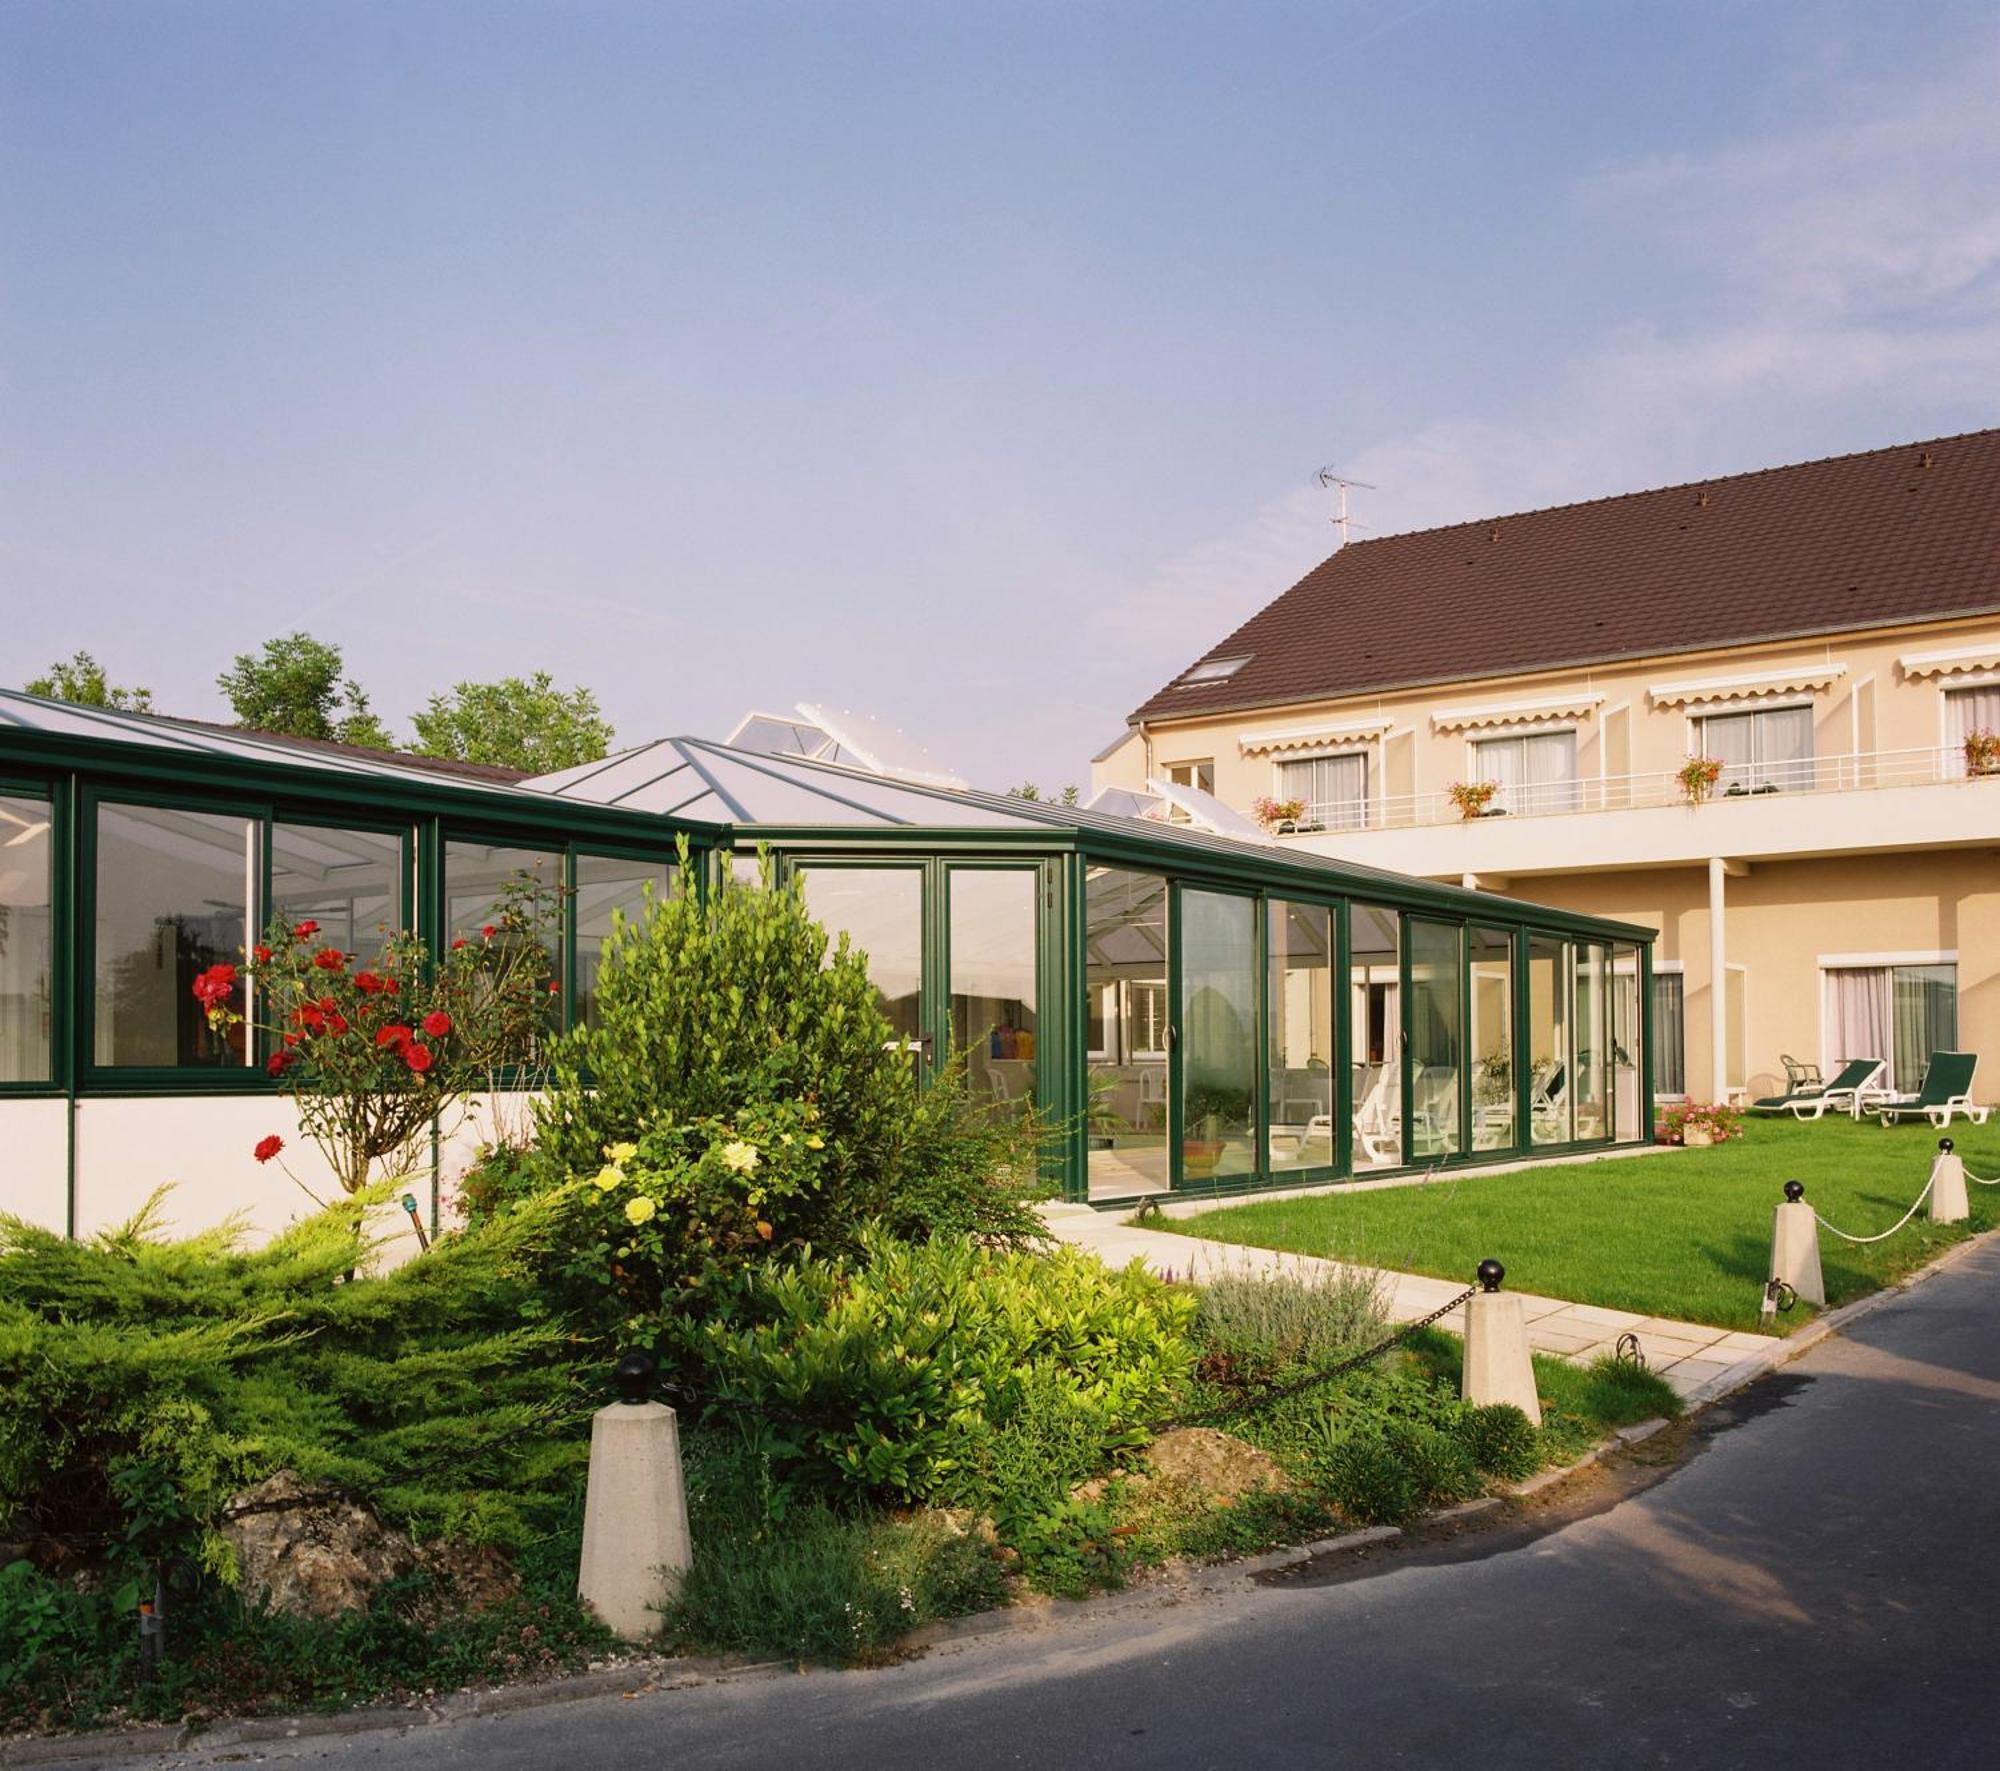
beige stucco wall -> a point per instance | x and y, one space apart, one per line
1873 705
1782 919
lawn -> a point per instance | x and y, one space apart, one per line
1684 1233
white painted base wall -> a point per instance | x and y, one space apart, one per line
202 1150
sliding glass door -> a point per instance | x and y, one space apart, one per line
1217 1032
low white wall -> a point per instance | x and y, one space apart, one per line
34 1161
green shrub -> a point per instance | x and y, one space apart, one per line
896 1372
1503 1441
1262 1323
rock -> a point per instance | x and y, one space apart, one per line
470 1577
1133 1481
1215 1462
960 1522
305 1554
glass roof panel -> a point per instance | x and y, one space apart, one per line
1210 813
873 744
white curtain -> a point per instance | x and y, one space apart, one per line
1536 773
1334 788
1967 711
1858 1011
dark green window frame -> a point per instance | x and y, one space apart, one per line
55 793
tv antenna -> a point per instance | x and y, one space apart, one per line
1338 485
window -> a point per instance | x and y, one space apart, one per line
993 998
1125 985
26 939
350 882
1200 775
1219 1057
1333 789
174 890
1214 670
1299 996
1967 711
1762 751
1536 772
1377 1058
1436 977
1551 1068
1490 1039
1898 1013
496 893
608 887
1669 1034
881 911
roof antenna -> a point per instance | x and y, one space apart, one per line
1338 484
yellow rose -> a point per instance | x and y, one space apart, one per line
815 1142
622 1152
740 1156
609 1176
639 1209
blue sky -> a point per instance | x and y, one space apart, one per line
965 364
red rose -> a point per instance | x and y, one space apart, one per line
291 1039
277 1061
312 1017
367 983
261 954
389 986
214 986
336 1023
437 1023
488 932
393 1034
329 959
268 1147
554 987
418 1057
456 945
304 931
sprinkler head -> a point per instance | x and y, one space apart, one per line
1794 1192
1490 1273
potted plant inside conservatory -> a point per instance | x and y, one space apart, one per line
1207 1111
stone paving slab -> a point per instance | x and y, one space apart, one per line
1689 1355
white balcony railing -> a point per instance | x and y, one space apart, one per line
1844 772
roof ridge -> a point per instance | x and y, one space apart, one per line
1694 485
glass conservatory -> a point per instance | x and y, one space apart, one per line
1193 1011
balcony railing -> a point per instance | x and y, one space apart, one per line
1843 772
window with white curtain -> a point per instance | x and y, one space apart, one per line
1536 771
1334 790
1761 751
1967 711
1898 1013
1669 1034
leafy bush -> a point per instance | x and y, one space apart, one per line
1262 1323
899 1371
144 1381
1399 1442
1502 1441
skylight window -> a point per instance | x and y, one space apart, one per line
1214 670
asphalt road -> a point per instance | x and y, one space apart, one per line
1812 1583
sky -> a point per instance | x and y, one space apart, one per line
967 365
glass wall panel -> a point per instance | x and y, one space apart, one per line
1376 1027
1491 1040
1125 1015
1299 999
992 939
881 912
1549 1071
1436 978
511 898
1627 1040
608 887
1593 1043
1219 1061
173 891
1669 1034
350 882
26 939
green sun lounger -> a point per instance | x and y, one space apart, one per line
1812 1101
1946 1089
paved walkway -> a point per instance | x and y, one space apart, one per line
1698 1361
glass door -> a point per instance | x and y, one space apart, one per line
990 962
1437 990
880 911
1216 1037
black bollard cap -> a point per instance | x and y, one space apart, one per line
1946 1146
1490 1274
1794 1192
633 1376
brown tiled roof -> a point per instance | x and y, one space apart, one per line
1893 535
409 759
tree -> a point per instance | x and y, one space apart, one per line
1028 790
517 723
82 680
295 688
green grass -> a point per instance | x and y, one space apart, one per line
1683 1234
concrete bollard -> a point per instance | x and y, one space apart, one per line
1497 1365
1795 1246
1948 1204
635 1526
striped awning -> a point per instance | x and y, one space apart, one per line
1349 731
1794 680
1950 663
1517 713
